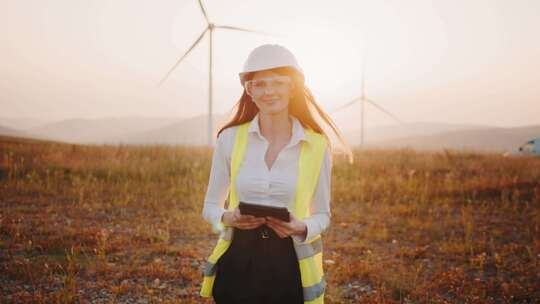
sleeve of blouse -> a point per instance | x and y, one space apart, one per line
320 207
218 182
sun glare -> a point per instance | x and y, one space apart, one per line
329 57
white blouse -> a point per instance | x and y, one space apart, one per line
256 184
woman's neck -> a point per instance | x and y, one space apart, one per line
275 127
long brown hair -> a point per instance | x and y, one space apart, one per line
301 106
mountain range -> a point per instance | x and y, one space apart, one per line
193 131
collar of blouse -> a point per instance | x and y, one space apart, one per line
298 133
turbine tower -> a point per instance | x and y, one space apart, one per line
210 27
363 99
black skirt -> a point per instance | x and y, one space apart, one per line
258 267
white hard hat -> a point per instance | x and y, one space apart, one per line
269 56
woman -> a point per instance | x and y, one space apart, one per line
274 153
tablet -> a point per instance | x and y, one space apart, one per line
281 213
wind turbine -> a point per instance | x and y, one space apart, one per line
363 99
210 27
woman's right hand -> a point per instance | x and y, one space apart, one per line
234 218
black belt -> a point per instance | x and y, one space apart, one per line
262 232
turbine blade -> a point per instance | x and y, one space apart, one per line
345 105
363 89
183 56
234 28
383 110
203 11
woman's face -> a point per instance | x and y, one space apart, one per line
270 91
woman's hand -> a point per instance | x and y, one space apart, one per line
285 229
234 218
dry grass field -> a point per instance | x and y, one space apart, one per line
116 224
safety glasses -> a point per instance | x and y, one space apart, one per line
259 86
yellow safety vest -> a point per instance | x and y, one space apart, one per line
309 254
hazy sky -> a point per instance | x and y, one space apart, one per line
474 61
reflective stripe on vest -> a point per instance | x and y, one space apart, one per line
309 254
